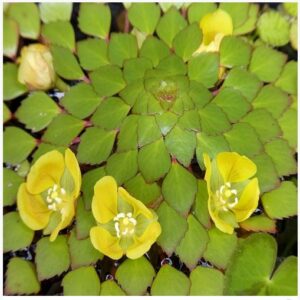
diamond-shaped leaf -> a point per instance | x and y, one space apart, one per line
259 223
288 124
128 138
287 80
237 11
10 37
52 12
11 183
111 288
148 130
166 121
197 10
135 68
250 23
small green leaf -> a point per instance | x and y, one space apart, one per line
135 276
12 88
27 17
17 145
154 161
190 120
259 223
11 183
148 130
206 282
94 19
62 130
47 253
21 278
81 282
172 65
287 80
170 282
135 68
197 10
193 244
110 288
166 121
52 12
199 94
250 24
10 37
16 234
37 111
131 92
288 124
169 25
107 80
237 11
127 138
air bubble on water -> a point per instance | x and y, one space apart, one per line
204 263
109 277
166 261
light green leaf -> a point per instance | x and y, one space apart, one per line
10 37
173 65
250 24
135 68
166 121
237 11
259 223
199 94
197 10
11 183
190 120
288 124
148 130
127 137
52 12
131 92
110 288
287 80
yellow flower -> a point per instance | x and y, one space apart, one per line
233 196
47 199
125 225
36 68
214 27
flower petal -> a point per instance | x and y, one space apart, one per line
46 172
33 210
248 201
234 167
104 203
104 242
143 243
207 164
138 206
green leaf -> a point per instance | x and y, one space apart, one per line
243 81
236 139
259 223
107 80
144 16
288 78
213 120
135 68
284 280
166 121
63 129
170 282
170 219
193 244
16 234
10 37
154 49
148 130
256 253
122 46
233 103
95 146
11 183
110 113
66 64
234 52
44 148
52 12
283 157
127 138
197 10
281 202
82 252
204 68
206 282
169 25
94 19
220 240
237 11
140 189
154 161
131 92
21 278
27 17
250 24
190 120
181 144
12 88
135 276
110 288
172 65
37 111
267 63
81 282
60 33
46 259
288 124
122 166
199 94
17 145
265 125
7 115
187 41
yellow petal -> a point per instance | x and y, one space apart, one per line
104 203
217 22
46 172
33 210
143 243
72 165
104 242
138 206
207 164
248 201
234 167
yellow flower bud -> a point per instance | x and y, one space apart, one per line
36 68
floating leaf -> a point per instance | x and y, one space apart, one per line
190 120
237 11
11 183
10 37
135 68
94 19
197 10
44 148
135 276
259 223
131 92
287 80
81 282
288 124
21 278
15 153
250 24
199 94
173 65
52 12
37 111
148 130
127 138
110 288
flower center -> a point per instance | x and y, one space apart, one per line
227 196
124 224
54 197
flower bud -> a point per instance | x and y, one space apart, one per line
36 68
